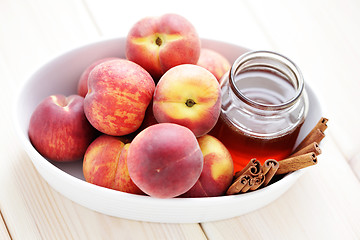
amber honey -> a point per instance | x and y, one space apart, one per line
263 108
244 147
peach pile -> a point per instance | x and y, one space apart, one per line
141 124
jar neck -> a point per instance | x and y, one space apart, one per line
274 65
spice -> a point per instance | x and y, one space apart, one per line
296 163
315 135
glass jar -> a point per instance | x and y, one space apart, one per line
264 104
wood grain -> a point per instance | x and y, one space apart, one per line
4 233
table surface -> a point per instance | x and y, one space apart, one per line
322 37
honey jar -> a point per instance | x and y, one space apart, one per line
264 104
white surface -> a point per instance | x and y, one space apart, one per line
60 75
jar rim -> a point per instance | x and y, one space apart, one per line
246 57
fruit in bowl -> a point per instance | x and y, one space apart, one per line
105 164
160 43
213 61
59 130
218 170
118 95
82 88
68 179
188 95
165 160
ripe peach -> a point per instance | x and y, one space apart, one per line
160 43
188 95
105 164
165 160
218 169
213 61
83 80
59 130
101 160
119 93
122 180
148 121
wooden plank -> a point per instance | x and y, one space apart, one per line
355 164
4 233
31 208
323 204
232 22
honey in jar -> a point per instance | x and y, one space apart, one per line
263 107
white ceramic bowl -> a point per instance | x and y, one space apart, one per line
60 75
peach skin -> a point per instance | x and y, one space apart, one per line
165 160
188 95
101 160
83 80
119 93
122 181
213 61
218 170
59 130
160 43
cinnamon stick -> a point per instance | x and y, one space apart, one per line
257 181
238 185
249 178
322 124
253 176
315 135
253 167
312 147
248 185
269 169
295 163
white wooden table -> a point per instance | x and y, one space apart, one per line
322 37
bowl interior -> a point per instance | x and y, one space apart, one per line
60 76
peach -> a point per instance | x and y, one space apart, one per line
160 43
119 93
218 170
82 88
149 118
165 160
122 181
148 121
213 61
188 95
101 160
59 130
105 164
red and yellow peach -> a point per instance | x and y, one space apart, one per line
119 93
188 95
59 130
165 160
82 88
213 61
160 43
105 164
218 170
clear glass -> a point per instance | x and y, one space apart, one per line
264 104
